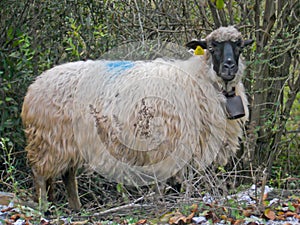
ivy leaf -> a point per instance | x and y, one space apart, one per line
120 188
220 4
291 207
8 99
10 33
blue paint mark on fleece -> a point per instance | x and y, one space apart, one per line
117 67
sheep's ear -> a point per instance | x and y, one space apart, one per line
248 42
195 43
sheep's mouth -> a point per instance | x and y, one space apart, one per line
228 75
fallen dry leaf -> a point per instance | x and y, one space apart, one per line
141 222
6 198
177 218
190 217
238 222
15 217
280 217
290 214
270 214
211 215
223 217
297 207
194 208
247 212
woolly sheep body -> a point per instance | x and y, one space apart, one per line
113 99
73 113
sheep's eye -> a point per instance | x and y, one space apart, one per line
213 46
238 50
238 46
215 43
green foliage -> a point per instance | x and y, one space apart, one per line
220 4
16 72
9 163
75 45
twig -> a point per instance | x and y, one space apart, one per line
263 185
119 208
140 21
130 205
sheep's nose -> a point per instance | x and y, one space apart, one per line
229 64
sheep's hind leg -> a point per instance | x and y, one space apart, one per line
69 179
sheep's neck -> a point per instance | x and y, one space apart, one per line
229 93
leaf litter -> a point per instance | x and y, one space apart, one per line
243 208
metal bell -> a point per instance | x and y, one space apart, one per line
234 106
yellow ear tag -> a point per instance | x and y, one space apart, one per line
199 50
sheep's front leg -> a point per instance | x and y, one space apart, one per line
69 179
50 189
41 191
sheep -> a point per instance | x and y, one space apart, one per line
135 121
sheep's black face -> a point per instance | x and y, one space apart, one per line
225 57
